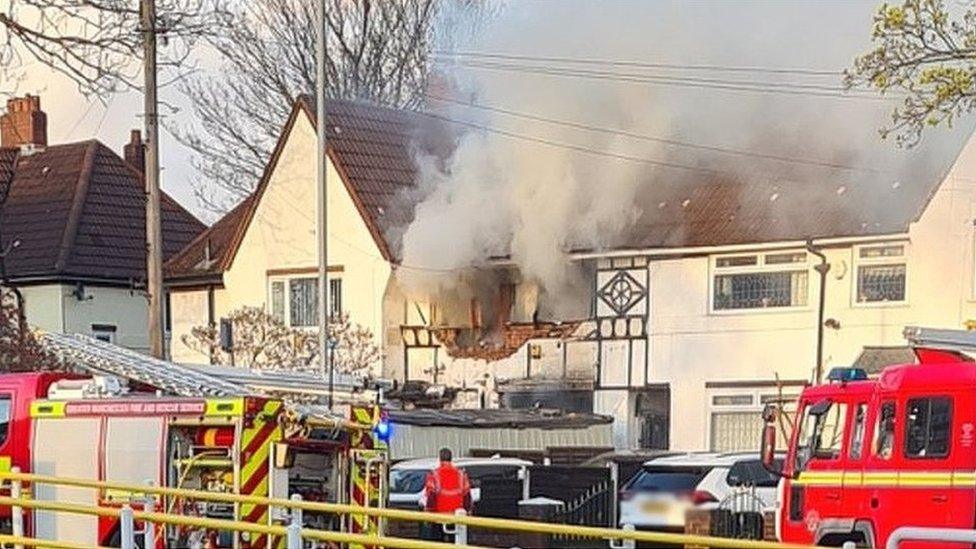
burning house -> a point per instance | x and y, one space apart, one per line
629 267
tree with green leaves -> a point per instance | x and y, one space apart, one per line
925 53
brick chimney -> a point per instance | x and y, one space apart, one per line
134 151
24 123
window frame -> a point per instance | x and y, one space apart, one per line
877 427
905 435
103 329
760 266
9 397
857 261
760 397
862 426
286 295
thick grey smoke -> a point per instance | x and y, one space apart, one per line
499 195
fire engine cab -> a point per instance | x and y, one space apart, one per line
867 456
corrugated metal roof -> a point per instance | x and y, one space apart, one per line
494 417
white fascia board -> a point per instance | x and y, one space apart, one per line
733 248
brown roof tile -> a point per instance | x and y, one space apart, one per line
192 261
373 148
78 211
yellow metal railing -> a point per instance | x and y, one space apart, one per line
389 514
12 541
217 524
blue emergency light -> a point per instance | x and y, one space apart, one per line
843 375
382 429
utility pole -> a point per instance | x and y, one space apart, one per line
154 231
325 349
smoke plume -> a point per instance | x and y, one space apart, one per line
700 86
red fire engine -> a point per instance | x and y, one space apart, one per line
208 435
867 456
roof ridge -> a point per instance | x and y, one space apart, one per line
77 205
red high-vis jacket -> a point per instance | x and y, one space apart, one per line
447 489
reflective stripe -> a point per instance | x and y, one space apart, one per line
225 407
47 408
906 479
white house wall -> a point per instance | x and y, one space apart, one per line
188 309
55 308
282 237
691 346
43 306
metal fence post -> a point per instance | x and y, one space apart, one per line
16 512
127 528
624 543
293 536
148 528
296 512
628 543
460 530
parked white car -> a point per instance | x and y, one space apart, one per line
407 477
660 494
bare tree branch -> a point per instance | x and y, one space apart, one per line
97 43
377 51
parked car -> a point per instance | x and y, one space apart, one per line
658 496
407 477
626 462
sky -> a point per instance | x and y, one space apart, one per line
72 117
809 34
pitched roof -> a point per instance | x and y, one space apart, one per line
715 212
211 251
372 148
78 212
682 209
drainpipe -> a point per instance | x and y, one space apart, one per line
822 268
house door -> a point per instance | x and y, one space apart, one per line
654 417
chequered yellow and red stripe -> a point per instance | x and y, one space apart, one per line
255 447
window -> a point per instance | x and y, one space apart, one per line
735 418
884 432
753 473
335 296
666 479
760 281
928 422
822 432
732 400
303 295
5 404
278 300
104 332
881 274
294 300
857 435
407 481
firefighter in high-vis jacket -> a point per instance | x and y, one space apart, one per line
446 490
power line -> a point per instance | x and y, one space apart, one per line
787 88
572 147
644 137
638 64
